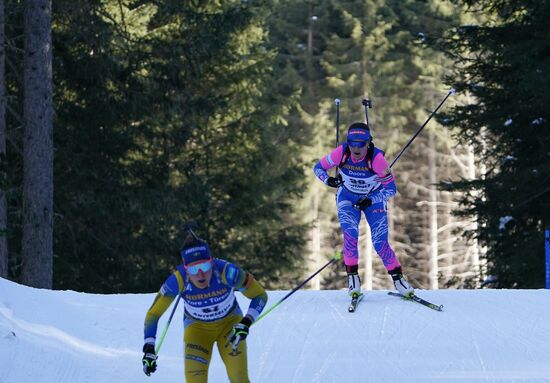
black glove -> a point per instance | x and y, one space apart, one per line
239 332
363 203
149 359
334 182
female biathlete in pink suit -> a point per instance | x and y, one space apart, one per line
364 185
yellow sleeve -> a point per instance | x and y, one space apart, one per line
252 288
257 295
169 290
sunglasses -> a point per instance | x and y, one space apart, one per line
194 269
357 144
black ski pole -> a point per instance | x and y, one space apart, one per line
161 339
336 258
337 102
452 91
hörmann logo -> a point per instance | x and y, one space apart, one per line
211 294
356 168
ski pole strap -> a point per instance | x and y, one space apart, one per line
337 257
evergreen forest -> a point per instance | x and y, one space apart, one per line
121 121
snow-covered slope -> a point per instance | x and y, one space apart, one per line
481 336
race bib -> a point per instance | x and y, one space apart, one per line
360 185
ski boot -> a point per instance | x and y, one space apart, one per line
400 282
354 282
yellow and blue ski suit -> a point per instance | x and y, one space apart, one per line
210 314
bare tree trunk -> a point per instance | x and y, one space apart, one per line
434 269
368 257
392 238
310 30
37 241
3 165
478 267
315 237
447 262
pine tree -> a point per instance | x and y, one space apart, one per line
378 51
3 160
501 66
381 50
13 160
297 33
166 116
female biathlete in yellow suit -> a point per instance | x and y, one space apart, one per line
207 286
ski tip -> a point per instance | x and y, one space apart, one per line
355 299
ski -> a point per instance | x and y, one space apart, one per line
417 299
355 299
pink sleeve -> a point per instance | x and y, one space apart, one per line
382 169
333 158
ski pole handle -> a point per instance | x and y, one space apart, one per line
368 105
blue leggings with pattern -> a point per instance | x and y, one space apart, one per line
377 219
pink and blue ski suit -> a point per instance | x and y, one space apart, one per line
364 177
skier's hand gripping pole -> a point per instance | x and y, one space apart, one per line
240 332
149 360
